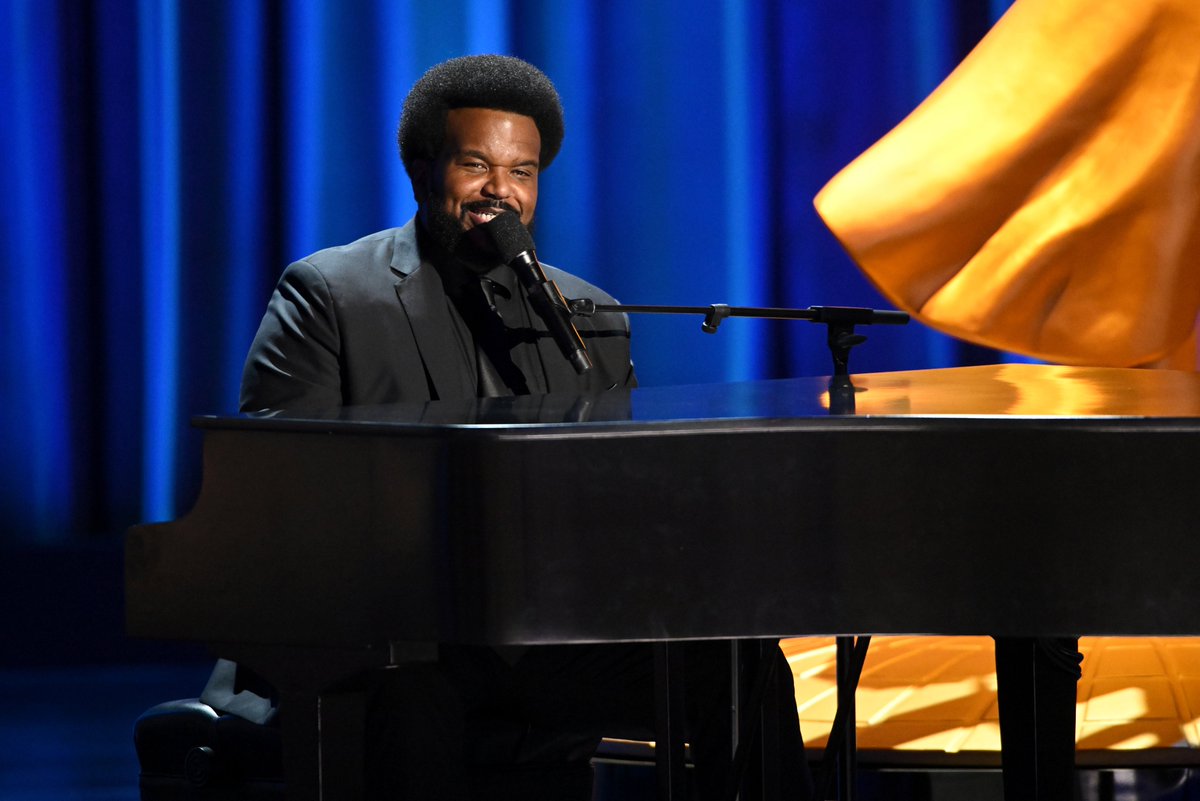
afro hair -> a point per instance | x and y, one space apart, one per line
502 83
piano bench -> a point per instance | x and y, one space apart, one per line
186 749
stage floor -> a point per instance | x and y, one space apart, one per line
938 694
66 732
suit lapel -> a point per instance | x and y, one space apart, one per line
423 301
419 290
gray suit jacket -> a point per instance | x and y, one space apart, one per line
367 323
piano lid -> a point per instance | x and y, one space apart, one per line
1003 391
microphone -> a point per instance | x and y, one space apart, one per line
515 246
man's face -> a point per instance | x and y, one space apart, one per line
488 164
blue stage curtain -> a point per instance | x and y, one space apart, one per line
164 160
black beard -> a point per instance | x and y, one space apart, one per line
448 234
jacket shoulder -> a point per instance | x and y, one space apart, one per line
392 247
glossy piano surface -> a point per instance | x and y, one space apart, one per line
1007 391
1013 499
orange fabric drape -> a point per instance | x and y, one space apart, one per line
1045 199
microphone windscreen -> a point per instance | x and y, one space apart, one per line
509 235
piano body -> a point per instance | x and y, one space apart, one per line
1012 500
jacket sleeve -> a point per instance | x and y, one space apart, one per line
294 360
606 334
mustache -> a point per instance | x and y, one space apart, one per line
488 205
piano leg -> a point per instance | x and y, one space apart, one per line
669 725
769 748
839 767
320 714
759 712
847 682
299 723
1036 680
768 757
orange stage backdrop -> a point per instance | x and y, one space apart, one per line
1045 199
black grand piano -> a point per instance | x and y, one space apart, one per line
1010 500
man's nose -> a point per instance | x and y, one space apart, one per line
497 185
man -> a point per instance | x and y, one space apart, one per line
400 315
428 312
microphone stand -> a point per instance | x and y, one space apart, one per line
839 320
839 762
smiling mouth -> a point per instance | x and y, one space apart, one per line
481 215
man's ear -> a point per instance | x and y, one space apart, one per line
420 172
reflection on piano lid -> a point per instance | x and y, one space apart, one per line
986 391
1031 391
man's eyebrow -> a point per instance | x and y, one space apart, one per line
479 154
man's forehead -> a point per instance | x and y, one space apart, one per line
480 124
